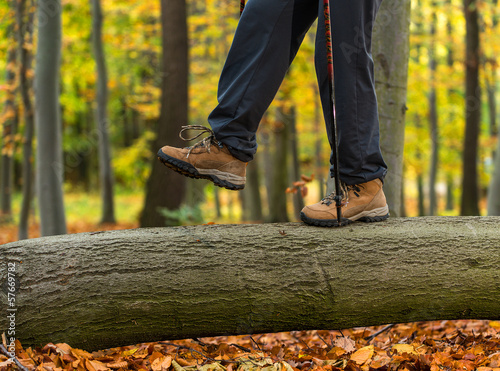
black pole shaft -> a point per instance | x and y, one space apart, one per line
333 123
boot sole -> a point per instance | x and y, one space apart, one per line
344 221
190 171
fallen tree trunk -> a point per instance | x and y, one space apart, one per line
97 290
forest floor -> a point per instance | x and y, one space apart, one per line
445 345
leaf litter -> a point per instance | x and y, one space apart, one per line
429 346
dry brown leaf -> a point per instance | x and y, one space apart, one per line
79 353
156 364
155 355
362 355
335 353
143 353
118 364
345 343
7 363
89 366
63 348
380 361
98 366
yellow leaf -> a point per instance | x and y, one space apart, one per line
129 352
362 355
495 324
404 348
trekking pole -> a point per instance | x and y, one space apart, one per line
331 90
242 6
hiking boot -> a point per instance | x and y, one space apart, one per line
363 202
207 159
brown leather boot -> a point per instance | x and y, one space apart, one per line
207 159
363 202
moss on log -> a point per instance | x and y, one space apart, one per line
98 290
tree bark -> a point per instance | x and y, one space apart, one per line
165 188
493 190
279 184
105 169
25 84
470 187
251 193
433 115
391 53
49 162
9 130
298 200
105 289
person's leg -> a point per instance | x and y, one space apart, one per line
266 41
361 165
356 103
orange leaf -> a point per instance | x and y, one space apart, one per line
303 191
362 355
306 178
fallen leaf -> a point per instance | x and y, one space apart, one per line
345 343
362 355
120 364
404 348
495 324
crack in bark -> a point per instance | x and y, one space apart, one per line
324 276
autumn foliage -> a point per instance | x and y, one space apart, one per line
433 346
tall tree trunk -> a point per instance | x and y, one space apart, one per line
25 29
450 200
9 129
494 189
298 200
493 202
218 211
105 169
420 177
49 161
266 138
165 188
492 107
470 187
277 201
251 199
433 117
450 181
391 52
254 197
403 194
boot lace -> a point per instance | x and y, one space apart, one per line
346 189
204 142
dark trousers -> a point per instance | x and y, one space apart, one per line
267 39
